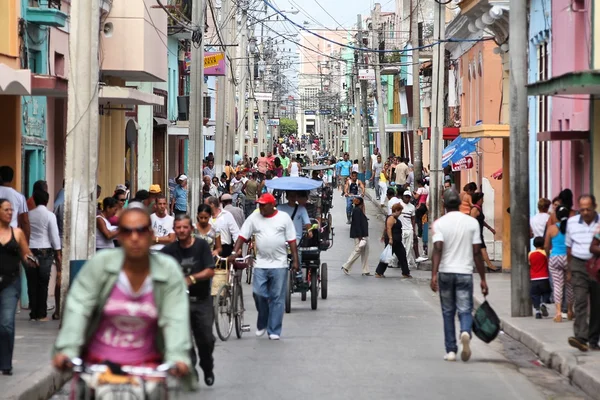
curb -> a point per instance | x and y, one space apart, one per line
41 386
565 364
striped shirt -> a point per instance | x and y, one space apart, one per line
579 236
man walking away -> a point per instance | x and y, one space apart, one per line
401 173
376 168
45 245
162 225
408 227
20 217
579 237
273 231
238 213
456 249
197 263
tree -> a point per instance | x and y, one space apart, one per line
288 126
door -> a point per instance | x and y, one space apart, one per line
34 167
159 158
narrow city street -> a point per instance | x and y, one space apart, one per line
371 339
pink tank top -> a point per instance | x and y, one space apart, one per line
127 330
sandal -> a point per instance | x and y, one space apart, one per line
379 276
55 317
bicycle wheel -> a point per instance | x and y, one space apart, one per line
314 289
324 281
224 313
238 306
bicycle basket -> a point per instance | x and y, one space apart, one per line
486 324
219 279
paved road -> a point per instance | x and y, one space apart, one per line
371 339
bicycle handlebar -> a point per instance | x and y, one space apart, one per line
238 259
161 371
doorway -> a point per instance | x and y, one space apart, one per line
34 167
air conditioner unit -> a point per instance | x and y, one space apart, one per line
183 105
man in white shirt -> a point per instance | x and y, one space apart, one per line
538 222
580 233
162 225
20 217
376 168
235 188
45 246
392 199
456 250
225 224
407 217
238 213
273 230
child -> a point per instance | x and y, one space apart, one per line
540 282
355 166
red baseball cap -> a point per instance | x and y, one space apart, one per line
266 198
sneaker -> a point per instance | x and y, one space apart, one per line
465 339
260 332
273 336
544 310
209 378
345 271
538 315
421 259
578 344
450 356
565 315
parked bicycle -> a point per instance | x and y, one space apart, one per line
229 301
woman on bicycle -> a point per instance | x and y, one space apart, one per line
206 231
128 306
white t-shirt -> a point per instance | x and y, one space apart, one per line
101 241
271 235
538 224
162 227
407 213
355 168
17 202
391 202
459 232
373 160
236 185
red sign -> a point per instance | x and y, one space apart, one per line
463 163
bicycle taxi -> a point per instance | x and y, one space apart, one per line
314 280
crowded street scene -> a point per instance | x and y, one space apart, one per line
326 199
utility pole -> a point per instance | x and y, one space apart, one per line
244 69
196 140
82 140
262 126
231 93
355 139
376 31
437 123
222 93
251 101
519 162
416 91
365 116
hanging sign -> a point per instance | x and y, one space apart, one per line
463 163
366 74
273 122
214 64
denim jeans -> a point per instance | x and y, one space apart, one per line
9 296
349 206
38 279
377 188
456 294
269 289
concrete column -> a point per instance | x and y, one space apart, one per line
145 159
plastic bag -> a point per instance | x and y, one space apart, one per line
393 262
386 255
486 324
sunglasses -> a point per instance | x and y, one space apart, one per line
140 230
122 200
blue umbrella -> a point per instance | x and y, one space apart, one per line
293 183
459 149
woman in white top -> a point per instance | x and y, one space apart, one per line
294 168
105 232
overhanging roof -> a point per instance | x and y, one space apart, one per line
572 83
553 136
127 95
486 131
49 86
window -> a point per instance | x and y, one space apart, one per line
543 122
59 64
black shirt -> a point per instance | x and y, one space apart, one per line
194 259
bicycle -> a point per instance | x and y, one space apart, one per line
122 382
229 301
250 252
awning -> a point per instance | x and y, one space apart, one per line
15 82
556 136
49 86
390 128
572 83
127 95
449 133
161 121
486 130
458 149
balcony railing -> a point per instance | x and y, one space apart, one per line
160 111
46 12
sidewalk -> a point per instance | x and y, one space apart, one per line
546 338
33 377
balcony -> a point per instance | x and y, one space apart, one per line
46 13
134 41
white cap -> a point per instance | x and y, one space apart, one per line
183 177
407 193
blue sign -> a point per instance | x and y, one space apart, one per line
310 112
325 112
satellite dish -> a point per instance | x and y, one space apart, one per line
131 133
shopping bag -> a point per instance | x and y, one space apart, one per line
386 255
393 262
486 324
